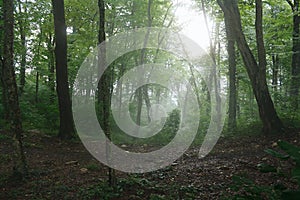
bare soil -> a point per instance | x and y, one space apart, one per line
66 170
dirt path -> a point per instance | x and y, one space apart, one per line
65 170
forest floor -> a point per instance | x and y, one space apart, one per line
65 170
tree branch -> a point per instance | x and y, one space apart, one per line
290 3
221 4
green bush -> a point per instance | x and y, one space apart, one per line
162 138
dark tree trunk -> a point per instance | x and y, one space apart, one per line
37 75
120 88
104 88
257 75
194 84
275 71
66 129
295 79
232 76
22 20
147 101
37 85
4 90
143 89
214 75
9 81
51 66
238 107
262 61
139 106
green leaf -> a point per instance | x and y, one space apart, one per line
291 195
296 174
265 168
277 154
292 150
241 180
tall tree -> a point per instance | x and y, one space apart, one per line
22 23
143 91
9 82
4 92
295 79
232 75
256 72
214 75
104 87
51 65
66 128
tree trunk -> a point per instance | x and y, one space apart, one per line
262 61
143 89
37 75
37 85
232 76
51 66
275 71
22 20
214 75
120 88
147 101
194 84
295 79
139 106
238 107
4 91
104 88
257 75
66 129
9 81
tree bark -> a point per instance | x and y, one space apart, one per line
37 85
275 71
104 94
257 75
37 74
262 61
214 75
9 81
22 20
66 128
143 89
4 90
232 76
295 72
51 66
147 101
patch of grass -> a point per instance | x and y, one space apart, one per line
246 188
4 158
14 194
153 190
59 189
3 179
5 138
93 167
32 145
98 191
244 128
157 197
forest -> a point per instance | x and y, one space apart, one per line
120 99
